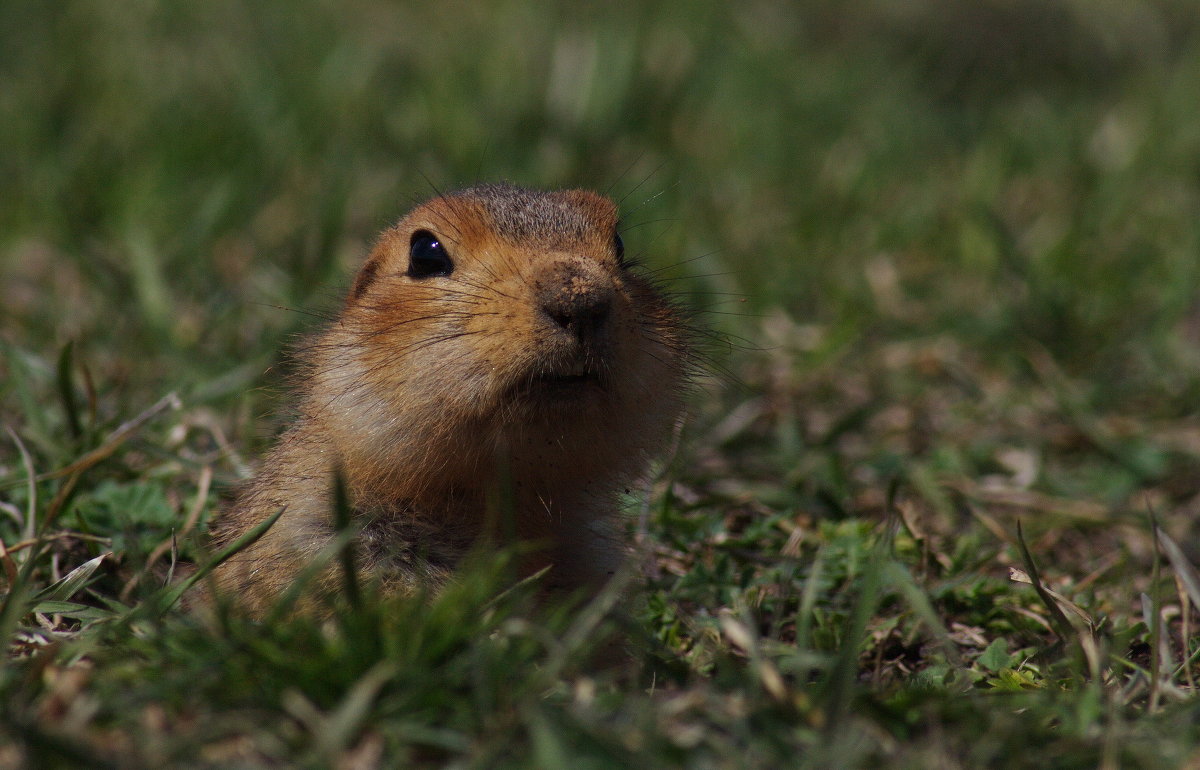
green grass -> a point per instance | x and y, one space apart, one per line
954 249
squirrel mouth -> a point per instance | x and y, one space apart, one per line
556 380
560 386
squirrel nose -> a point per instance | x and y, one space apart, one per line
584 317
578 302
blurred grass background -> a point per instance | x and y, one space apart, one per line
955 247
1011 171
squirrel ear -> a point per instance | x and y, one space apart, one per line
598 204
370 269
365 277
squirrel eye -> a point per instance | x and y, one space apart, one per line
619 246
427 257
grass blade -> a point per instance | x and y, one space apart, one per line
66 390
173 595
72 582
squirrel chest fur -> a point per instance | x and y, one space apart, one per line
497 371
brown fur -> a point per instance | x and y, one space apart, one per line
515 395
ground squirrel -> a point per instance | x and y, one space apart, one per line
497 369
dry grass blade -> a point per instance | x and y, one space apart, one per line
8 565
1187 581
1062 627
739 634
1019 576
1185 622
202 487
115 439
64 589
28 525
75 470
1184 569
